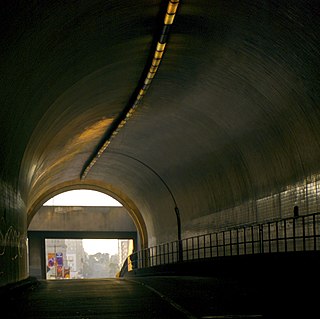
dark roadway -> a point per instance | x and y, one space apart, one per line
147 297
107 298
151 297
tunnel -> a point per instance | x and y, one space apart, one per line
201 117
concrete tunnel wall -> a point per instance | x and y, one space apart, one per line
230 124
82 218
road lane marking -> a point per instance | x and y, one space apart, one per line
167 299
230 316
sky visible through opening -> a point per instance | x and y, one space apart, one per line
93 246
84 197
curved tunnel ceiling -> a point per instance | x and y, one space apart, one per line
232 114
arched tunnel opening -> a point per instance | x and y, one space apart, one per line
81 234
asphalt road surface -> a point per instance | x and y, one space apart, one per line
150 297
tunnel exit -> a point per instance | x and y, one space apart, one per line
85 258
84 237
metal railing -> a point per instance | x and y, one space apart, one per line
284 235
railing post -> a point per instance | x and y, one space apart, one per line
252 239
180 252
269 237
245 240
294 233
261 238
192 245
314 232
147 256
223 243
277 235
172 257
217 244
198 248
187 248
154 256
304 233
237 241
285 235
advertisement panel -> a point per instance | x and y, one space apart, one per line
59 259
51 260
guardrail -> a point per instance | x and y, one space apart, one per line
291 234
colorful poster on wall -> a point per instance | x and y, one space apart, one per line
51 260
59 272
67 272
59 259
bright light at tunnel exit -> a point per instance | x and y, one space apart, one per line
82 197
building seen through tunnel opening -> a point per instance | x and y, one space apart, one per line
69 258
200 118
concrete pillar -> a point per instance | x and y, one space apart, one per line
36 257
